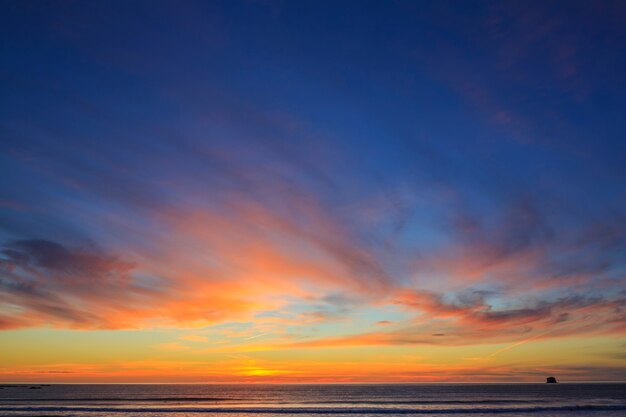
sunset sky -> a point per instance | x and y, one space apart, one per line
312 191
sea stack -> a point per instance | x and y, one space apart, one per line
550 380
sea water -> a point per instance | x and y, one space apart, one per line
606 400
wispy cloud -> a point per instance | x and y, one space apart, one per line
247 186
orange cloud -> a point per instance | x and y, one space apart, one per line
200 268
475 322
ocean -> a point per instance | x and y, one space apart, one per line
123 400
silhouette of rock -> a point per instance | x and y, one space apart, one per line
551 380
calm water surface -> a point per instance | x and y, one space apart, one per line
599 400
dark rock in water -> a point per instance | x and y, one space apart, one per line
551 380
35 388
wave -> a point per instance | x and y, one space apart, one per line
130 400
215 399
322 410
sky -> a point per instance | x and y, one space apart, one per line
312 191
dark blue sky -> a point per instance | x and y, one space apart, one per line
472 151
